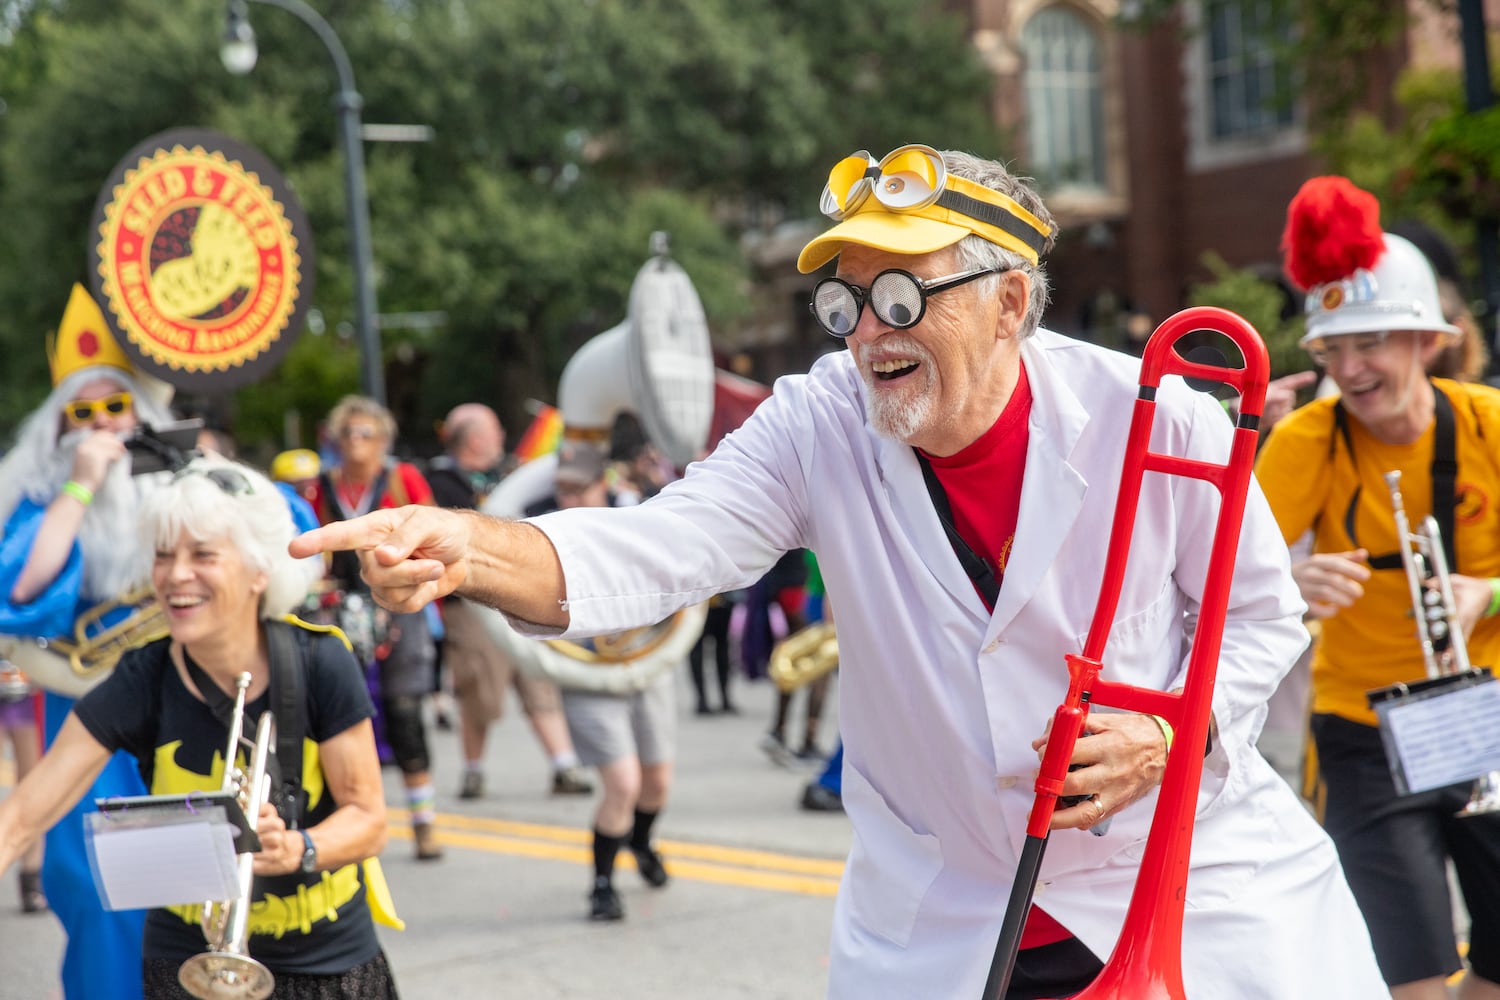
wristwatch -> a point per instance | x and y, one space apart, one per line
309 853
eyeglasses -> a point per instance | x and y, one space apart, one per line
83 411
898 297
359 433
231 481
904 180
1364 346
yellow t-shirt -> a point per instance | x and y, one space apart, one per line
1311 482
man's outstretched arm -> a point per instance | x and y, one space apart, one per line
415 555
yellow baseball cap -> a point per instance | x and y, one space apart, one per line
295 465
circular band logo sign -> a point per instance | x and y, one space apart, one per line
201 259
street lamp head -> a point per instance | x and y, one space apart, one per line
238 52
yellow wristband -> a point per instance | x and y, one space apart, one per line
78 492
1494 608
1166 730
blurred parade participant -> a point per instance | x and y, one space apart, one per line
367 478
18 727
462 477
1374 324
219 531
954 665
631 738
70 508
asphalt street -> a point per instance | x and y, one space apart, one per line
504 914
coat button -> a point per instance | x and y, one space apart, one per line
994 645
1008 781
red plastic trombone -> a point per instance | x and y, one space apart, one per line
1146 963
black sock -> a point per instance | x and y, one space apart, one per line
605 849
640 836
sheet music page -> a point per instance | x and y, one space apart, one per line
1448 739
143 865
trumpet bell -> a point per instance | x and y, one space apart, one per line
216 975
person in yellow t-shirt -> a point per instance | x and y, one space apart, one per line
1373 323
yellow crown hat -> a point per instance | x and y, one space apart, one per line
83 340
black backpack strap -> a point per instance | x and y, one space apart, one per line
287 652
979 571
1444 472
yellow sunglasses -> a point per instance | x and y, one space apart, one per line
83 411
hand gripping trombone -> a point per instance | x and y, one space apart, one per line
1147 961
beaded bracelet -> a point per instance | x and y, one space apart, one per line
78 491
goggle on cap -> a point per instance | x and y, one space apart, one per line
1358 279
908 203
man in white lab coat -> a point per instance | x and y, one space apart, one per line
951 675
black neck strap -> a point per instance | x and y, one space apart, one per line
287 704
978 569
1444 472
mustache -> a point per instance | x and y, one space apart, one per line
893 343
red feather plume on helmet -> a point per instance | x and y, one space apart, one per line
1332 230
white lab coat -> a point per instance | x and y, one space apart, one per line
940 700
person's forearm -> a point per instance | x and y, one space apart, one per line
350 834
49 553
513 567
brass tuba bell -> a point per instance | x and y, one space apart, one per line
804 656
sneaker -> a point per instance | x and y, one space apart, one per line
816 798
570 781
775 748
604 903
648 863
473 786
428 848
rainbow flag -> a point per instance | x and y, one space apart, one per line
542 436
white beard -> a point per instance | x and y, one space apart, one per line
900 415
114 559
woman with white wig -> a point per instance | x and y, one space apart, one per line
220 569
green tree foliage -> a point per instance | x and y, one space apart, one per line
565 133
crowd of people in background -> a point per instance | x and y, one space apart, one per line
1387 388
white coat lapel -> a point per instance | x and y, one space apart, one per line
918 519
1052 491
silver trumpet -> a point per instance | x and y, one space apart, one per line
226 971
1444 651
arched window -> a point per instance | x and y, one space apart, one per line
1064 100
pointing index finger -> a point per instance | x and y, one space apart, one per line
359 534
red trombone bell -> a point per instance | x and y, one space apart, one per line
1146 963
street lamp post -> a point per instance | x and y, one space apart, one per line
239 54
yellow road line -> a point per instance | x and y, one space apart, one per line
695 862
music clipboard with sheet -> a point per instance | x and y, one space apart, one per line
165 850
1441 731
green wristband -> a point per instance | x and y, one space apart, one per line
85 496
1494 608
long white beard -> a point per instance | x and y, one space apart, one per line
114 558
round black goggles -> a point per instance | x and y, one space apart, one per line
898 297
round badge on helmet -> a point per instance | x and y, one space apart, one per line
1333 297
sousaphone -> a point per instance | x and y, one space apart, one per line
657 364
